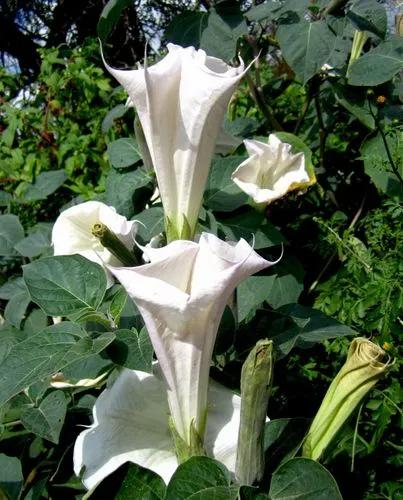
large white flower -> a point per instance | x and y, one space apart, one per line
181 102
181 295
72 232
131 424
271 170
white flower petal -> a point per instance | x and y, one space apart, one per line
181 102
72 234
131 424
270 171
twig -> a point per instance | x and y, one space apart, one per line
304 111
322 130
259 99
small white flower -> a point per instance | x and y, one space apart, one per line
131 424
72 233
271 170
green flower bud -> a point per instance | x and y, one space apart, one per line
110 241
363 368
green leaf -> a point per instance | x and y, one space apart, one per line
47 420
16 307
132 350
251 293
377 166
282 439
36 243
123 152
186 28
303 478
142 484
5 198
46 183
121 187
44 353
65 284
225 25
355 100
112 115
222 193
12 287
110 16
11 232
152 222
368 15
288 284
306 46
264 11
309 326
36 321
201 478
379 64
251 226
11 478
117 304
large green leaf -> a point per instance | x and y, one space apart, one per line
222 194
66 284
112 115
253 227
377 166
11 478
123 152
288 284
16 307
302 478
121 187
37 242
306 46
11 232
110 16
186 28
132 350
355 100
368 15
201 478
45 184
45 353
265 11
379 64
308 327
47 419
5 198
251 293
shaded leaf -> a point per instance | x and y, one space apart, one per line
123 152
110 16
11 232
152 222
251 293
11 478
16 307
47 420
113 114
132 350
45 184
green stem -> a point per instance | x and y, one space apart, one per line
111 242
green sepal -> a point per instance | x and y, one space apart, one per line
184 450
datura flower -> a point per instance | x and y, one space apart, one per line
181 101
131 425
271 170
72 233
181 295
363 368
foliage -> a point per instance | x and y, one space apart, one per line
68 137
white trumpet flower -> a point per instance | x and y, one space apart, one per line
181 295
181 101
271 170
72 233
131 425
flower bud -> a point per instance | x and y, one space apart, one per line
256 379
363 368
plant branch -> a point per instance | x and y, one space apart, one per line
258 97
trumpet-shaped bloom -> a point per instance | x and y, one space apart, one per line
181 102
181 295
271 170
363 368
72 232
131 424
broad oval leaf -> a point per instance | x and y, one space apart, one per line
123 152
11 232
45 184
65 284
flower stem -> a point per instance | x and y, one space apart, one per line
112 243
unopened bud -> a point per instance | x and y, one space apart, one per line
111 242
256 380
363 368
